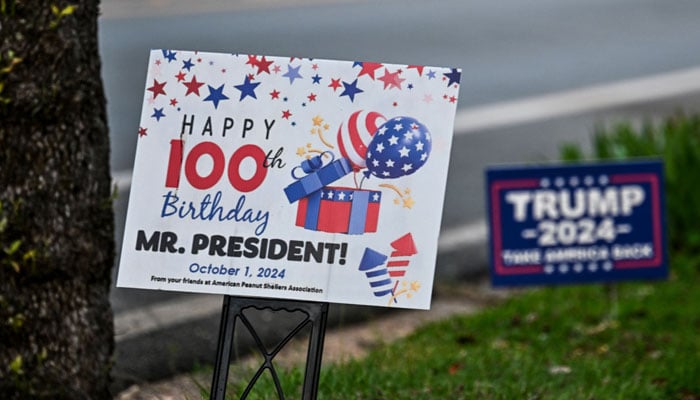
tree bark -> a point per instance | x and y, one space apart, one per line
56 220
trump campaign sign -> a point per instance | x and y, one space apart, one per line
578 223
289 178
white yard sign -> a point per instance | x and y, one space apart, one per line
289 178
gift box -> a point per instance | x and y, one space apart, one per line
340 210
318 175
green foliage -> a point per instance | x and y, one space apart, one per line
7 7
571 152
8 62
13 252
19 369
677 141
553 343
59 14
16 366
11 59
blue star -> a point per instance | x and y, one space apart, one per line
216 95
357 64
316 78
247 89
187 64
292 73
351 90
170 55
431 74
454 76
158 114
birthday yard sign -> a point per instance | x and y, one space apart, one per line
596 222
289 178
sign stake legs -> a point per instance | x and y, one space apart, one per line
232 310
223 351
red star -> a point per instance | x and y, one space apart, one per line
173 102
157 62
314 67
275 94
142 132
251 77
180 77
276 69
193 86
391 79
252 60
311 97
453 99
335 84
157 88
264 65
418 68
368 68
286 114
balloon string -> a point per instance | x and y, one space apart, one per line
358 186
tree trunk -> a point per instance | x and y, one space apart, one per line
56 221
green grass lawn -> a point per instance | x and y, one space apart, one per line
635 340
638 340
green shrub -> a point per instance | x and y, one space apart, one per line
677 141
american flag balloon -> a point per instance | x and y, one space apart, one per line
355 134
398 148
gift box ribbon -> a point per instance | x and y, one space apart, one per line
358 213
318 175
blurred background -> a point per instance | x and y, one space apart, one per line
535 75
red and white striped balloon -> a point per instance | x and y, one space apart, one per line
356 133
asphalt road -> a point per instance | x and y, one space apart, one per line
507 50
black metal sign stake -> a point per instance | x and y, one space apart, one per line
233 307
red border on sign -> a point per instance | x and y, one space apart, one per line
653 180
496 187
